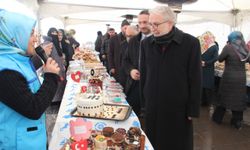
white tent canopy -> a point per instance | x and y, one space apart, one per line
227 15
85 11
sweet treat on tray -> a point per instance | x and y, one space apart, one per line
122 131
117 140
89 104
133 135
86 56
131 147
107 131
95 81
109 111
99 70
100 142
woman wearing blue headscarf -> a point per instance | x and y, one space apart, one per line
23 99
232 89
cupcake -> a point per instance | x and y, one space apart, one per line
94 133
100 142
122 131
134 133
117 138
118 141
132 147
107 131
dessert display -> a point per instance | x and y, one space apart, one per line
87 56
121 139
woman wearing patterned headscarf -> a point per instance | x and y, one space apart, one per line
209 55
232 89
23 99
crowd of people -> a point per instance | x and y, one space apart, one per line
170 74
166 75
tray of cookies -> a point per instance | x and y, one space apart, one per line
110 112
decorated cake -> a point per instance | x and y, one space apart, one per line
89 104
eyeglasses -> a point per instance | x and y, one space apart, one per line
155 25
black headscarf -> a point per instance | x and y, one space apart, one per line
66 48
55 40
64 44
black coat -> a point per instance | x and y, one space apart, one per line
122 74
114 54
132 59
209 57
171 82
232 90
98 43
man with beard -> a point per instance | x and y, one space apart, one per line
171 82
131 63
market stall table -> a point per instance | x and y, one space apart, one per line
61 133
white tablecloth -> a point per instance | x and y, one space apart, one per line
60 133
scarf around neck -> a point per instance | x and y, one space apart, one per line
165 39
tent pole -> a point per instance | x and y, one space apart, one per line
39 26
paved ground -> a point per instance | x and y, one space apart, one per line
210 136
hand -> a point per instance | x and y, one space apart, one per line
202 63
47 48
112 71
135 74
103 57
189 118
51 66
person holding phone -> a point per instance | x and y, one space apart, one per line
23 99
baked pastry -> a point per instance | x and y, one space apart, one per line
117 138
107 131
133 135
134 131
132 147
122 131
100 142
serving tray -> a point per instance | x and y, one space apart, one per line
111 112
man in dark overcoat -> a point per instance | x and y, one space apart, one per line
114 53
131 63
171 82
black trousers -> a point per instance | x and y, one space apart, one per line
207 96
133 98
218 115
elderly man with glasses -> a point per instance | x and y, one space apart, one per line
171 82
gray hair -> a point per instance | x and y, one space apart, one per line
164 11
133 28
